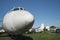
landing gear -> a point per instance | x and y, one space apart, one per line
20 37
12 36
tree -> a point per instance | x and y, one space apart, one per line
52 27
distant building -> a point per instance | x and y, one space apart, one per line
53 29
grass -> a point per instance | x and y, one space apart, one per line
41 36
44 36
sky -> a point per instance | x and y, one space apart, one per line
44 11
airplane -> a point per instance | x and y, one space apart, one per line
17 21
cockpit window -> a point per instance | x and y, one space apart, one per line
15 9
21 8
18 8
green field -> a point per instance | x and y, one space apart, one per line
40 36
45 36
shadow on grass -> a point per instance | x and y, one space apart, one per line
17 37
21 37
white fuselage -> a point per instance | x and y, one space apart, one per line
18 21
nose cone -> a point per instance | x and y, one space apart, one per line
29 18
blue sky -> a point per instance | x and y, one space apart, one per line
44 11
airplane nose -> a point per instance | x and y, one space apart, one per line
29 18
